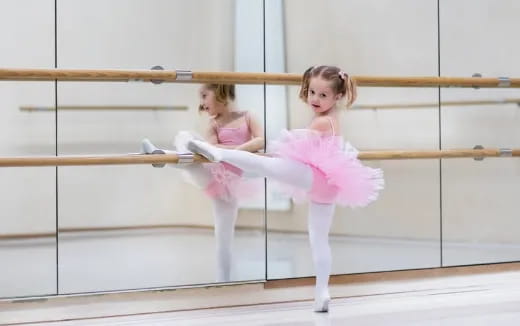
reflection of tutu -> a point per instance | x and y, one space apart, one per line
339 177
219 180
228 183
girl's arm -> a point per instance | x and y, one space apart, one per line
257 137
211 133
255 144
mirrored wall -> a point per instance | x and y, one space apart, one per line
88 229
127 227
28 195
402 229
478 196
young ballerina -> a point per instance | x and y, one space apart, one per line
314 163
222 182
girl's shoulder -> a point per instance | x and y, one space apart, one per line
322 123
238 118
243 114
326 125
213 123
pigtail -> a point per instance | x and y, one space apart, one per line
224 93
229 91
221 94
304 90
350 90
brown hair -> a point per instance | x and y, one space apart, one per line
341 82
224 93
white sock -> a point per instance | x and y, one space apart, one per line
148 147
225 214
205 149
182 139
319 223
196 172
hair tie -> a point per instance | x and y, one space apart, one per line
343 75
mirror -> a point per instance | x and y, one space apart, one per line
383 236
479 216
137 226
28 221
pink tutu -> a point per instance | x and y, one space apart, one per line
339 177
228 183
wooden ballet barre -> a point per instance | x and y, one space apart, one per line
435 105
103 107
188 76
178 76
444 153
94 160
188 158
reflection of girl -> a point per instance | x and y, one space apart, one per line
314 163
223 182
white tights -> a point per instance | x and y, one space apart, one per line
320 215
319 222
224 213
287 171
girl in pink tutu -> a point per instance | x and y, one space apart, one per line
315 163
222 182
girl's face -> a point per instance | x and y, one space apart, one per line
209 103
321 97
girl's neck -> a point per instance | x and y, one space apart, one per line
226 115
332 112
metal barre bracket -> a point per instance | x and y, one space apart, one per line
183 75
476 75
157 81
506 152
504 82
478 158
185 158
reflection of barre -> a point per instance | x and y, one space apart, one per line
103 107
436 105
99 160
189 158
187 76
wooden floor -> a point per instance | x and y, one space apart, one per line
488 299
